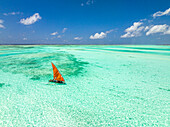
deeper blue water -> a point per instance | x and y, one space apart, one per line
122 85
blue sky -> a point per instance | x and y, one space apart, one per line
85 22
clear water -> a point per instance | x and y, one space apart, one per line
106 86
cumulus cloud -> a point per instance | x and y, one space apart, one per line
55 33
64 30
31 19
134 27
78 38
12 13
146 28
165 29
137 28
134 30
98 36
1 23
159 13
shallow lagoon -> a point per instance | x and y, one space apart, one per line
123 85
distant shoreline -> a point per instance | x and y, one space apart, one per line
82 44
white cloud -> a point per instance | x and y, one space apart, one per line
134 30
55 33
143 20
64 30
31 19
88 2
2 26
12 13
146 28
165 29
138 28
159 13
59 36
98 36
133 27
82 4
24 39
1 23
168 31
109 31
78 38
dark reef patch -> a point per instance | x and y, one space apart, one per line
36 62
35 77
164 89
2 84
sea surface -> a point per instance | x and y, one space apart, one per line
121 85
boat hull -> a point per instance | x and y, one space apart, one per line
55 81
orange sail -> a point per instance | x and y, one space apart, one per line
56 74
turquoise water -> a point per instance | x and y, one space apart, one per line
106 86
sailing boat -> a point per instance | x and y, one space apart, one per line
57 77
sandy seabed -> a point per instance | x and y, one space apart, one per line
122 85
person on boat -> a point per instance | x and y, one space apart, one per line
56 81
